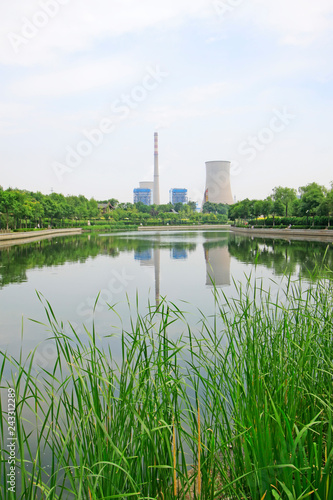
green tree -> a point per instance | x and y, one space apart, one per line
326 206
267 207
244 208
92 207
7 202
312 195
257 208
277 209
285 195
192 205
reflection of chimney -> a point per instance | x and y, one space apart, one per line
217 266
157 251
156 194
148 259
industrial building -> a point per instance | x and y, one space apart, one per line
156 195
143 195
218 189
149 191
146 185
178 195
178 253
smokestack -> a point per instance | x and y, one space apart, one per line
156 194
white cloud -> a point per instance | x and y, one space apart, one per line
81 23
166 116
82 77
211 91
13 117
297 22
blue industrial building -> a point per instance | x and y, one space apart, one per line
178 253
143 195
178 196
143 255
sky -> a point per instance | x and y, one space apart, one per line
84 86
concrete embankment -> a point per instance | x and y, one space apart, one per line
287 234
19 238
202 227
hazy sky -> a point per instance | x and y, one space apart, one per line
84 85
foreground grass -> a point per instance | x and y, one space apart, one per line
242 410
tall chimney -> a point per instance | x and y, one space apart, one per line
156 194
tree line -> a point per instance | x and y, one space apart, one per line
313 200
26 209
19 208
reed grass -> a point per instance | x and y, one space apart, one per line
241 408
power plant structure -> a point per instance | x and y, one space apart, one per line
218 189
149 192
147 185
143 195
178 195
156 193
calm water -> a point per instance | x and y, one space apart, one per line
70 272
136 269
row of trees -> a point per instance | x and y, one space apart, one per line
19 208
179 213
313 200
23 209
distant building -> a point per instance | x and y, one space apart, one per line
105 207
178 196
146 185
143 255
178 253
143 195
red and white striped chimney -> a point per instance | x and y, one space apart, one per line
156 193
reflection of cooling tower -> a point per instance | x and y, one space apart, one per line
217 266
218 189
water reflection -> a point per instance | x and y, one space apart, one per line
282 257
178 253
217 266
300 258
136 269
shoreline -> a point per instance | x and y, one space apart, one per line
287 234
184 227
7 239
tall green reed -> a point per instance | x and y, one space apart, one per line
235 408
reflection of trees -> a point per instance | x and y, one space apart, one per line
17 259
279 255
282 256
215 243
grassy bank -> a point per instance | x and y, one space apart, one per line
242 409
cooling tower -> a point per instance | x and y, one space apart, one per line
218 189
156 192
